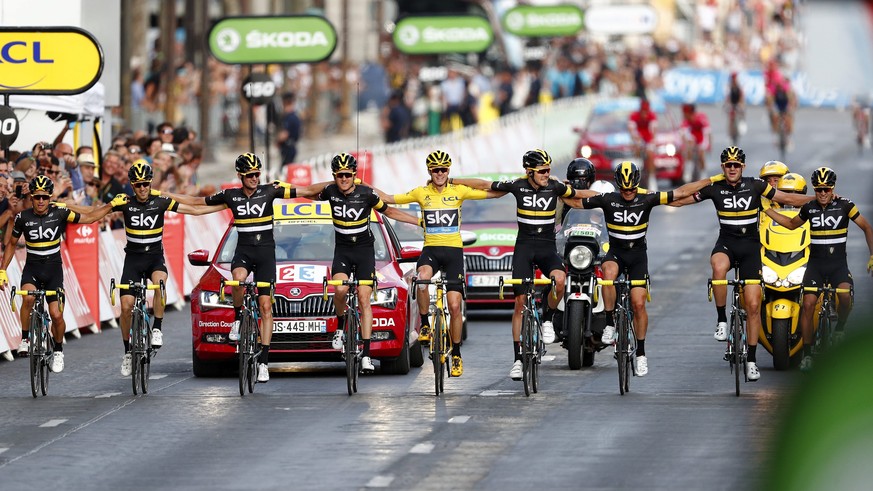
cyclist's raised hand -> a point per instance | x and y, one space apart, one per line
718 177
280 184
119 200
4 279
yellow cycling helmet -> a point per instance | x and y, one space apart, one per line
536 159
42 183
247 162
140 171
773 168
627 175
733 154
792 183
343 162
437 159
824 177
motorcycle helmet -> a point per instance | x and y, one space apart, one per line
602 186
792 183
42 183
247 162
773 168
344 162
438 159
536 160
627 175
580 173
733 154
823 177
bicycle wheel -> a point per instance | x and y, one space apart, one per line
436 351
351 352
540 348
46 357
823 333
36 352
621 349
527 351
136 350
631 352
246 349
738 358
145 358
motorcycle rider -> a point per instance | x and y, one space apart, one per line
771 172
580 175
827 259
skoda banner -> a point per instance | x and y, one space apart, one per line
291 39
543 20
443 35
48 60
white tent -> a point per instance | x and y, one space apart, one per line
88 103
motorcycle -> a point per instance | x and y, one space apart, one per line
579 319
784 255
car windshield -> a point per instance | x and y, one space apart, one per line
407 232
488 210
303 242
609 123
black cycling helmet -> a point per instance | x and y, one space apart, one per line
627 175
344 162
536 159
140 171
580 173
438 160
42 183
247 162
823 177
733 154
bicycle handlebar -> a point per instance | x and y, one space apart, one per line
326 282
819 289
602 282
440 282
246 284
710 283
44 293
136 285
527 281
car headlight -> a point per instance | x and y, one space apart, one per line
210 300
796 277
768 275
670 149
585 151
580 257
385 297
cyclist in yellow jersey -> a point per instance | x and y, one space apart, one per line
443 250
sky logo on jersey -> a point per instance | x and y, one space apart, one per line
348 212
735 203
826 222
42 234
626 217
441 221
536 203
144 221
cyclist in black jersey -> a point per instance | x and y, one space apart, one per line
829 217
252 208
42 227
144 253
351 205
626 212
737 201
537 197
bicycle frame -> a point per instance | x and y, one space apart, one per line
140 335
40 337
626 346
441 343
248 348
532 346
352 351
737 348
827 313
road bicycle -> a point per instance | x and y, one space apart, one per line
352 344
737 343
41 348
736 119
247 347
626 344
827 313
532 346
141 350
441 342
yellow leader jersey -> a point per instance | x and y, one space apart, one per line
441 211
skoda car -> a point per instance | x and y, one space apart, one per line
606 141
303 320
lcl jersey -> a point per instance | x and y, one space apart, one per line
252 216
351 213
535 207
144 223
829 226
441 211
627 221
737 206
42 233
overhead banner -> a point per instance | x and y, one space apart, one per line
290 39
621 19
48 60
420 35
543 20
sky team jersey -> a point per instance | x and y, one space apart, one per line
42 233
829 226
144 223
252 216
351 213
535 208
441 211
737 206
627 221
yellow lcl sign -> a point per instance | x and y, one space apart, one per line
48 60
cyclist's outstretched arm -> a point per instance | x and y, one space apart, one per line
792 199
310 191
868 235
184 199
688 200
789 223
101 211
472 182
401 216
687 190
199 210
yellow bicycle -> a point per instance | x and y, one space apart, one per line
441 342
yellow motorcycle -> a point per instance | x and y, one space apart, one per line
784 255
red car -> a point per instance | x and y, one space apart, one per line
606 141
303 321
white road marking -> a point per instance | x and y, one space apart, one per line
380 481
158 376
685 256
459 419
3 450
107 395
671 267
549 358
493 393
52 423
422 448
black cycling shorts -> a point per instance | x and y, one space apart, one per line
139 266
260 260
820 271
362 258
743 250
44 276
635 261
449 260
534 254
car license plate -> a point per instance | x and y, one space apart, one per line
483 280
318 325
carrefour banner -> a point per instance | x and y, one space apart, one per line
711 87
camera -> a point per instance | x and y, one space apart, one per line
18 190
47 146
